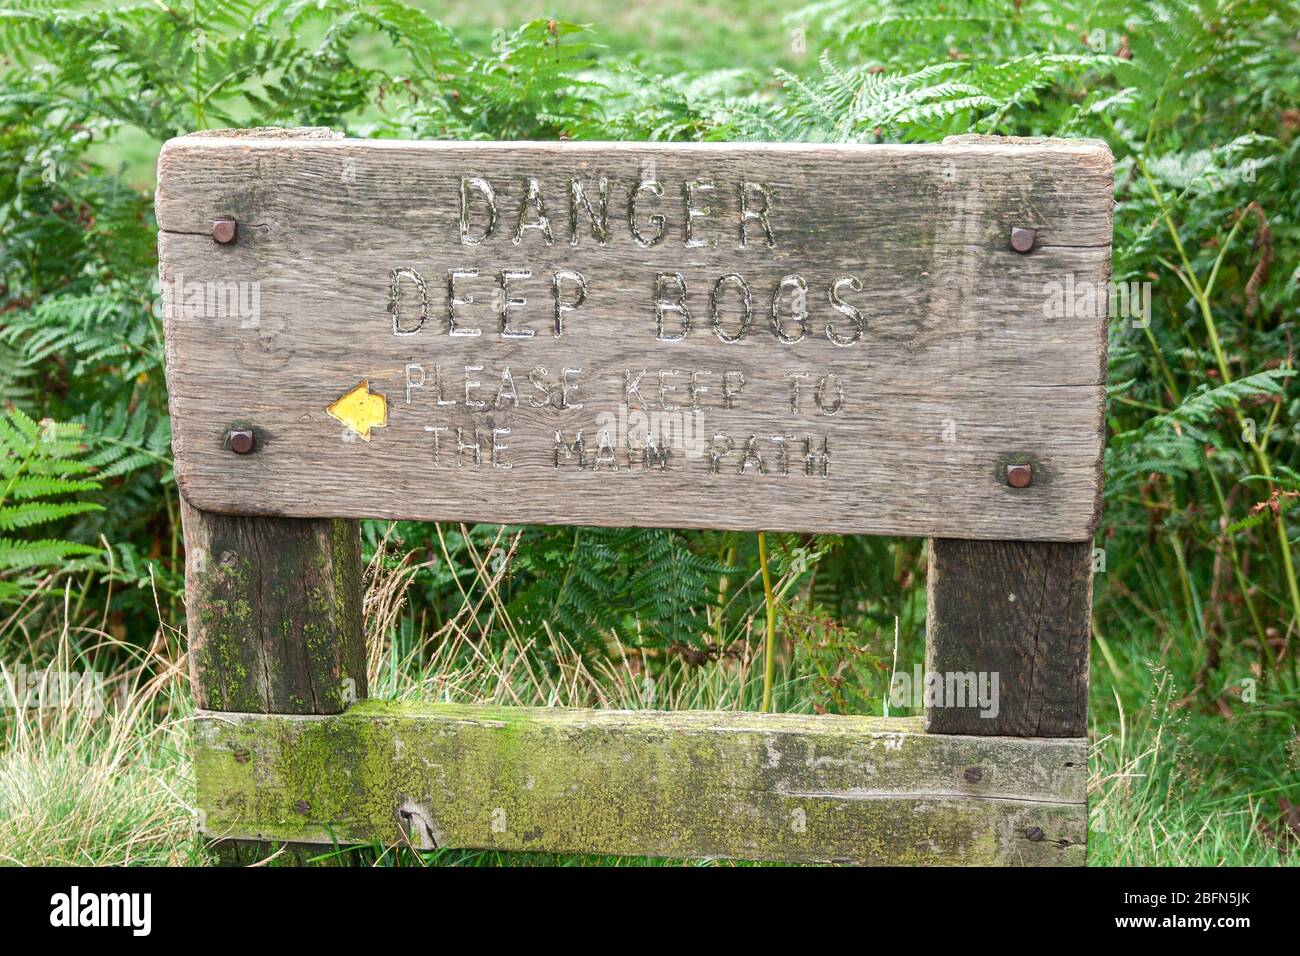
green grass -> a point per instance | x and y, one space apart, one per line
81 787
1171 784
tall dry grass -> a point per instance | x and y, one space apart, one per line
99 780
481 655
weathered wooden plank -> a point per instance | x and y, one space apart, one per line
751 786
1050 184
1018 610
956 372
274 612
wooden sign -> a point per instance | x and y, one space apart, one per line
873 339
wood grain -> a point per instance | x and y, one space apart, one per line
750 786
1021 610
958 371
274 613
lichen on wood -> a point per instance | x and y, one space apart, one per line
274 612
748 786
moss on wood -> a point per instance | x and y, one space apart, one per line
274 608
789 787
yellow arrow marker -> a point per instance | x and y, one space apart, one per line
361 410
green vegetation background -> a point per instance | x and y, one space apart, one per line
1196 695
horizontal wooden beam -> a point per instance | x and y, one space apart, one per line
788 787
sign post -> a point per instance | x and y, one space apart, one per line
902 340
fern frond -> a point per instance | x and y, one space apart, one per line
36 462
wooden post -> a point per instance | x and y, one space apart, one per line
274 609
1018 610
274 614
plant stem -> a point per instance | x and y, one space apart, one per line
728 558
769 645
1201 294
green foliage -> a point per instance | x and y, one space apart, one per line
1175 443
846 670
647 587
863 102
40 465
1197 98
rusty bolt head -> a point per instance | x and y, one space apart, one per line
224 230
1033 834
240 440
1022 238
1020 476
974 774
